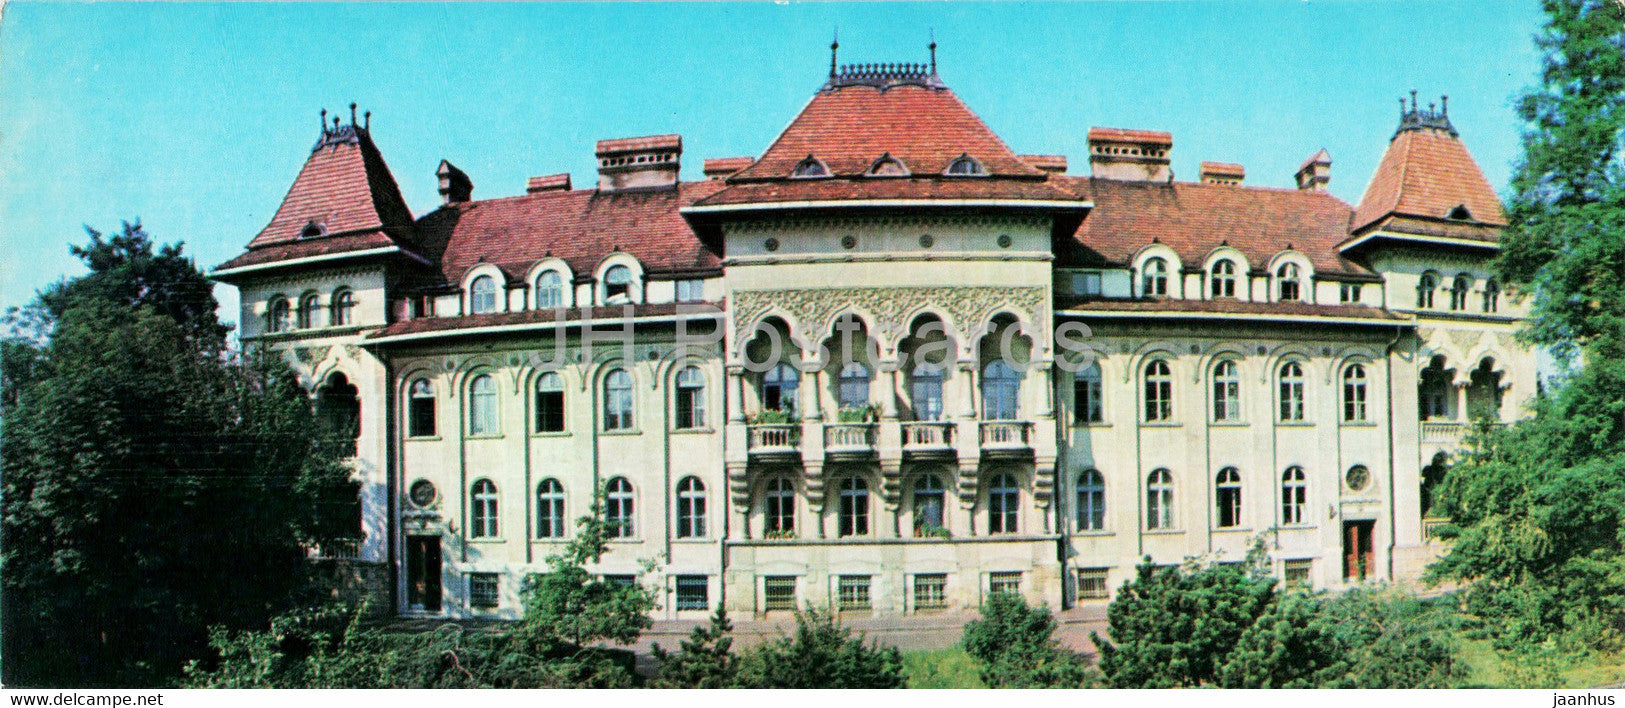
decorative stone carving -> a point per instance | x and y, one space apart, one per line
815 309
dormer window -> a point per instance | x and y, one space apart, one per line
1460 213
313 229
966 166
1288 282
810 167
888 166
1223 281
617 283
482 295
1154 278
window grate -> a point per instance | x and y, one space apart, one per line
1092 584
852 592
1004 582
1297 573
484 592
930 591
693 592
779 592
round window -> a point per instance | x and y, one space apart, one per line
926 241
1004 240
422 493
1358 478
849 242
771 244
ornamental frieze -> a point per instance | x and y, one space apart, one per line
814 310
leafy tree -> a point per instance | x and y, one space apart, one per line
821 654
704 660
1293 645
1175 625
570 604
1015 646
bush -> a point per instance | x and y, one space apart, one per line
704 660
821 654
1014 646
1176 625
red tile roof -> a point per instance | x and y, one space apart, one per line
1226 169
1049 163
724 166
548 183
1231 307
1427 173
1195 218
308 248
344 186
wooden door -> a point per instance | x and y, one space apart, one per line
1359 557
423 573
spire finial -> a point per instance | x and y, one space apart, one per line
324 120
366 120
1444 106
933 47
1413 100
834 44
352 114
335 123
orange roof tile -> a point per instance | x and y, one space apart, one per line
345 187
1427 173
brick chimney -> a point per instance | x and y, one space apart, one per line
722 167
454 183
1053 164
628 164
1315 172
1221 173
550 183
1130 155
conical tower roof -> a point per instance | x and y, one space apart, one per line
1428 182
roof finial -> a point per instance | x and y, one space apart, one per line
1444 106
1413 100
933 50
352 114
1402 108
335 123
834 44
367 120
324 120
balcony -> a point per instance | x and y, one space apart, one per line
334 549
774 440
1006 438
849 439
1442 432
928 438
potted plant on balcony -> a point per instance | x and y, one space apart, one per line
866 413
771 417
929 530
780 535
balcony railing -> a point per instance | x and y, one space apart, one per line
1006 435
774 438
334 549
1446 432
1431 526
849 437
928 436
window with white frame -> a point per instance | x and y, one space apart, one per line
690 398
420 405
930 591
1159 392
1003 503
1091 502
779 517
1227 497
1291 386
852 386
549 290
1159 500
1154 277
1001 389
691 290
925 391
1298 574
853 511
482 514
617 284
484 591
1092 584
1348 293
550 403
779 389
1222 281
1226 392
550 509
852 593
1294 496
618 400
1425 287
619 508
484 415
1459 288
929 503
277 317
1087 403
309 305
1492 295
1086 284
343 308
693 592
1288 283
482 295
810 167
691 508
964 166
1354 394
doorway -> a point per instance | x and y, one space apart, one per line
1359 561
423 573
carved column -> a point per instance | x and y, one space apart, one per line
967 374
739 495
736 393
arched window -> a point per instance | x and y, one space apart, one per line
309 305
1222 282
780 506
343 307
852 386
964 166
691 508
619 508
779 389
1354 390
1001 388
277 315
1492 295
1003 503
1159 500
1459 288
550 403
1154 278
617 283
1226 392
1291 391
549 290
1091 511
420 409
1288 282
690 398
1294 496
483 510
618 400
1425 286
484 418
929 497
550 509
810 167
1227 497
925 391
854 507
482 295
1088 406
1159 392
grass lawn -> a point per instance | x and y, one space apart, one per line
1487 668
940 668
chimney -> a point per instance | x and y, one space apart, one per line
647 163
1130 155
454 183
1052 164
550 183
1221 173
1315 172
722 167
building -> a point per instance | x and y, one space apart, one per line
1049 376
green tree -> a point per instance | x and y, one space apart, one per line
821 654
1174 626
569 604
1014 645
704 660
1359 639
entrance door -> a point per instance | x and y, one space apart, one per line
1359 561
423 573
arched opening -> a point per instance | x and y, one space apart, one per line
338 410
1434 400
927 353
1432 475
850 369
1484 392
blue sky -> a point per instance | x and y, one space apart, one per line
196 117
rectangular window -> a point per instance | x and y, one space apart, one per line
1348 293
852 592
1009 581
1087 284
1297 573
1092 584
420 413
549 411
779 592
930 591
693 592
621 581
1086 396
690 291
483 591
